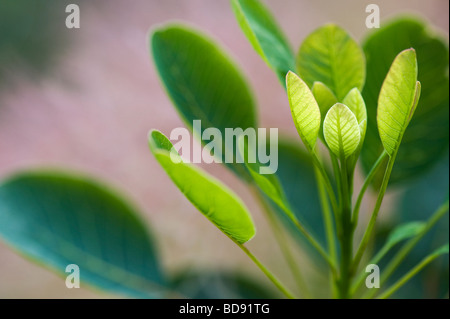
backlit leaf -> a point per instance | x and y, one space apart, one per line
426 140
213 199
398 99
304 109
265 36
325 99
341 131
331 56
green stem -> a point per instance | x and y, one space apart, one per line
347 235
406 249
269 275
327 182
328 223
282 243
368 233
408 276
366 184
310 238
337 174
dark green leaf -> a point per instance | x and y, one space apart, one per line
427 137
203 83
59 219
265 36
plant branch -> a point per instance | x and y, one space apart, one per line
282 243
269 275
327 182
409 275
366 184
406 249
328 222
368 233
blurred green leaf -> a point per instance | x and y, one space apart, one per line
398 99
296 176
426 139
304 109
423 197
329 55
403 232
265 36
212 198
32 35
220 285
268 183
203 83
341 131
58 219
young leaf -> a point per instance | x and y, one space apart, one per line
331 56
398 99
304 109
213 199
203 83
325 99
341 131
355 103
426 140
265 36
58 219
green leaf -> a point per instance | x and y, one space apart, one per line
426 140
341 131
304 109
355 102
325 99
403 232
441 251
398 100
57 219
265 36
331 56
203 83
208 284
213 199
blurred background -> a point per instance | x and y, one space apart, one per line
85 99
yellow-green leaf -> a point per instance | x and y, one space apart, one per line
212 198
330 55
356 104
398 99
325 99
304 109
341 131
